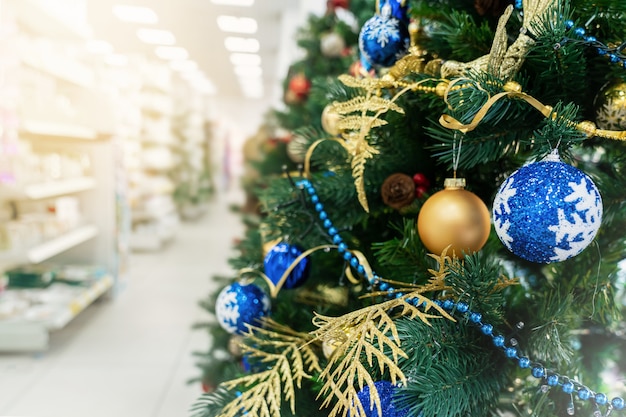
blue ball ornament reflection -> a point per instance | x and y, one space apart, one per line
547 211
239 305
279 258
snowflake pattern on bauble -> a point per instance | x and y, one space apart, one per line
547 211
240 305
383 39
612 116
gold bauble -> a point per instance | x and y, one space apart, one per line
610 105
297 148
456 217
330 120
234 345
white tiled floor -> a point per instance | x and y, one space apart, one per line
131 356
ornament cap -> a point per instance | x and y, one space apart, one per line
454 183
553 156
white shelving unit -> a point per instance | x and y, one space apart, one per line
62 115
152 158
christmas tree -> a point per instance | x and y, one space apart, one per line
450 244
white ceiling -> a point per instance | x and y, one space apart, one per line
194 24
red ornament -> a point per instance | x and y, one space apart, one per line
420 191
420 179
207 387
334 4
300 86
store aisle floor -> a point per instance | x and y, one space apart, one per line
130 356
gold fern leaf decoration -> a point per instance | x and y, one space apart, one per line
289 356
357 117
371 331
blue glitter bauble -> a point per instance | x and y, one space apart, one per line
383 39
279 258
239 305
399 9
386 392
547 211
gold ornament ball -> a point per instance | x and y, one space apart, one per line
234 345
610 105
456 217
330 120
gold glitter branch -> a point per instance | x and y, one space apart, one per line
295 359
356 127
364 335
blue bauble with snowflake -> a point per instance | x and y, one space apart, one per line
280 258
384 38
239 305
397 8
386 390
547 211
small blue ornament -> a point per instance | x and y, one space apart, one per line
239 305
547 211
279 258
386 391
384 38
398 9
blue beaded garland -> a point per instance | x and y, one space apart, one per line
538 371
476 317
618 403
524 362
487 329
584 394
552 380
601 399
510 352
498 340
568 387
337 240
462 307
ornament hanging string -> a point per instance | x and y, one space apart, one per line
456 153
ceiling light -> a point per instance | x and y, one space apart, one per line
156 36
245 59
184 66
97 46
234 2
237 24
237 44
248 71
171 52
135 14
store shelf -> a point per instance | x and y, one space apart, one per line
68 71
48 189
61 130
60 244
29 330
77 304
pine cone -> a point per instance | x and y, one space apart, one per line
398 191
